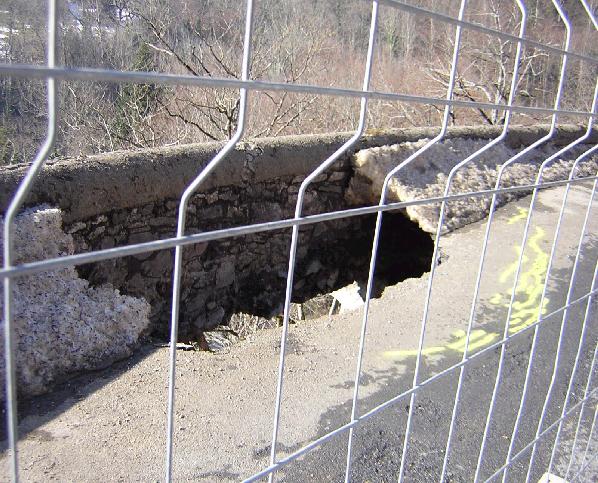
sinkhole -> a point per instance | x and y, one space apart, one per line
240 282
335 257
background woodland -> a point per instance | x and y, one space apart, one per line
295 41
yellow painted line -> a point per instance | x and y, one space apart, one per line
529 286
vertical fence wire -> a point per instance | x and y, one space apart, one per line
295 234
377 234
594 23
500 174
569 389
512 94
576 265
186 196
583 465
581 338
418 359
568 31
8 252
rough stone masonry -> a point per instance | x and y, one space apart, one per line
129 197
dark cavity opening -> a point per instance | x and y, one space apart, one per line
240 282
333 255
404 251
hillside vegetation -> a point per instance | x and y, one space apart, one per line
295 41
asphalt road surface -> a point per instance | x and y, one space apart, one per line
110 426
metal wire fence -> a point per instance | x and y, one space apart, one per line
54 73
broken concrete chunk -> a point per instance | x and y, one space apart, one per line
244 325
348 298
63 326
426 177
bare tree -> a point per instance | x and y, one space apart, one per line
318 42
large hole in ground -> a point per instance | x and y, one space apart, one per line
241 282
405 251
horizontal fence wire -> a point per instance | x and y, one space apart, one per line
52 73
138 77
31 268
391 402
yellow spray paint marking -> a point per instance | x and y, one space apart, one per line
522 215
526 304
478 339
529 287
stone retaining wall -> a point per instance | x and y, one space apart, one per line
128 197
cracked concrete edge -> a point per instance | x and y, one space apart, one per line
426 176
91 185
62 325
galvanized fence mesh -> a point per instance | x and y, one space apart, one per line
53 73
